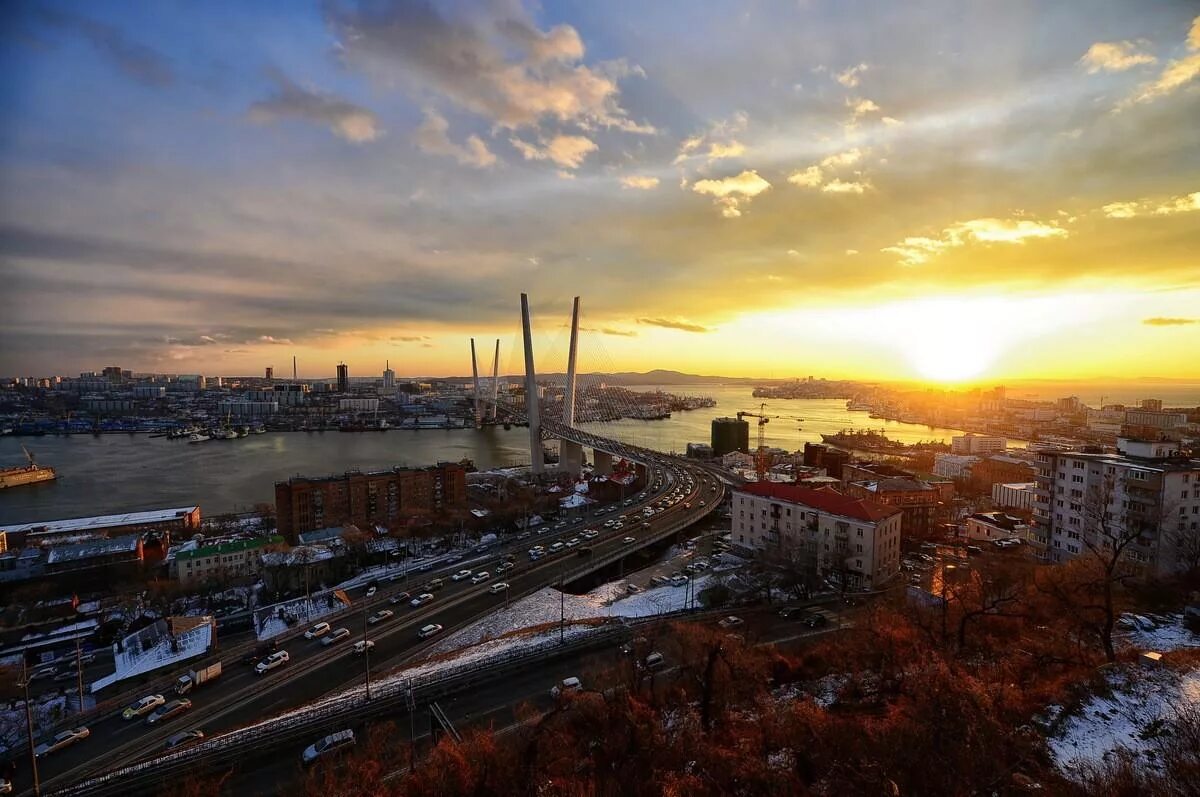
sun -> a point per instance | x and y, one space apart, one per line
950 363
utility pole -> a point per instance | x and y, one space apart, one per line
79 673
366 654
37 783
562 607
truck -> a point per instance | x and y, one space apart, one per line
194 678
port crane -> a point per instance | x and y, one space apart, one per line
760 457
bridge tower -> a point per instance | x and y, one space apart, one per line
537 459
475 378
495 379
570 453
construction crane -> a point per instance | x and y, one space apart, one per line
760 457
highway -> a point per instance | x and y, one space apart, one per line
241 697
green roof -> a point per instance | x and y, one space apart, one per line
228 547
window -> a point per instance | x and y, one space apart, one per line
859 547
1077 479
860 532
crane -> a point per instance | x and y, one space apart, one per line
760 457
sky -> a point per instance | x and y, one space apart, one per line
944 191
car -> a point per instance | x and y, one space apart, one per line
571 543
461 575
608 524
61 740
169 711
142 706
318 630
793 613
632 589
480 577
974 550
591 534
730 622
654 661
924 557
380 616
421 600
628 541
678 580
47 671
660 581
560 525
276 659
435 585
556 547
571 684
335 637
504 567
184 738
429 630
329 745
260 652
363 645
371 590
537 549
453 560
703 503
498 587
817 621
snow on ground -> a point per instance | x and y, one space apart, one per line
548 604
1160 633
165 651
270 621
12 720
1138 700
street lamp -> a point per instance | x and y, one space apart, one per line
37 784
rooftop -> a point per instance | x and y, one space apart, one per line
823 499
227 547
101 521
89 550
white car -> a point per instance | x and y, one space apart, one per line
276 659
628 541
336 636
380 616
461 575
422 599
480 577
371 591
62 739
362 646
143 707
571 684
730 621
556 547
500 587
429 630
591 534
318 630
571 543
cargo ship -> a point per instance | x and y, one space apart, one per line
26 474
872 441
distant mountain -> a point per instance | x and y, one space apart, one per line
659 376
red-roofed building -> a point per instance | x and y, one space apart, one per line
847 540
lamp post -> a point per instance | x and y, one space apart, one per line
33 764
79 673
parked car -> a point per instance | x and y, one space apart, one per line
429 630
654 661
61 740
730 622
327 746
169 711
318 630
461 575
276 659
335 637
184 738
817 621
371 590
571 684
380 616
421 599
362 646
143 706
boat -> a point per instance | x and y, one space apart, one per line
198 437
26 474
258 429
866 440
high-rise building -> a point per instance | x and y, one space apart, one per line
270 374
730 434
976 444
1154 405
343 378
1146 494
389 377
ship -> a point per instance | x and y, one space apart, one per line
863 441
26 474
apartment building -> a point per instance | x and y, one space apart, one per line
222 562
840 538
1147 488
977 444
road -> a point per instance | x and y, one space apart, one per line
240 697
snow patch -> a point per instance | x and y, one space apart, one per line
1159 633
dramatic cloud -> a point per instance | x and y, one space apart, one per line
683 326
290 101
433 136
917 250
137 61
850 77
1170 322
1114 57
1175 74
492 61
566 151
639 181
730 193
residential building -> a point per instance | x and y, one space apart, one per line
976 444
343 378
919 502
1018 495
852 542
991 526
954 466
291 395
730 434
1155 419
366 500
241 408
389 377
1153 405
1001 468
699 451
221 563
358 405
1148 489
269 374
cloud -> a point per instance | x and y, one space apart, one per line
1182 204
730 193
847 158
1170 322
1120 210
639 182
720 138
836 186
1186 203
610 331
850 77
271 340
566 151
861 107
812 177
1175 74
889 121
139 62
1114 57
667 323
408 338
290 101
433 137
490 59
718 150
917 250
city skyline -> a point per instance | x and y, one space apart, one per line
939 192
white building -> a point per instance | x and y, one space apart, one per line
1147 487
389 379
1156 418
358 404
992 526
242 408
953 466
977 444
1018 495
839 537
